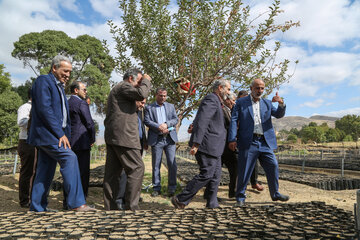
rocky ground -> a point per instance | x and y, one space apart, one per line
311 213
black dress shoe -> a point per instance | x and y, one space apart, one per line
25 205
176 203
171 194
155 193
281 197
240 203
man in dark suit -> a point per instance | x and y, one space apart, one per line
49 132
123 141
120 199
161 119
252 127
207 143
82 132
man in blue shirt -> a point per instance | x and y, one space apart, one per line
161 119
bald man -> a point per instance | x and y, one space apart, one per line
251 126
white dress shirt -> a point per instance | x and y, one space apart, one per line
23 118
257 117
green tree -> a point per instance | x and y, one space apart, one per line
201 42
22 90
10 101
90 57
334 135
313 133
350 125
292 138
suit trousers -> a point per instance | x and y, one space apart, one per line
120 158
209 177
48 157
254 175
83 157
229 159
168 145
27 171
259 149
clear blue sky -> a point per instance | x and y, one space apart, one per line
327 45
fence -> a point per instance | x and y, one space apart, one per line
322 158
10 160
184 154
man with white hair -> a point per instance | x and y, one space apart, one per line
207 143
50 132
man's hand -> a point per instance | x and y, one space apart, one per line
191 126
64 140
147 77
232 146
194 149
163 128
277 98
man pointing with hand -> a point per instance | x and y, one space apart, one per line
251 131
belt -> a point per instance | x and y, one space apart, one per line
256 135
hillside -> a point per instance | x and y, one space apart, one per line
290 122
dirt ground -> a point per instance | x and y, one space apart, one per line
297 192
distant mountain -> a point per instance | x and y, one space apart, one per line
320 117
290 122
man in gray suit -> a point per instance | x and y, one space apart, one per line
161 119
123 141
207 143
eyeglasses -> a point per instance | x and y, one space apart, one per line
83 89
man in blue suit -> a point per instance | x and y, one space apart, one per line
207 143
50 133
252 127
161 119
82 132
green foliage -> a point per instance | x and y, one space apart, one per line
90 58
295 131
348 138
312 124
350 125
201 42
10 101
334 135
22 90
5 82
313 133
292 138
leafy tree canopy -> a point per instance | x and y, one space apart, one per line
10 101
350 124
199 43
90 57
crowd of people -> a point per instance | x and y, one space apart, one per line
226 131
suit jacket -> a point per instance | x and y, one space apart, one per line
243 116
121 122
46 113
150 120
143 140
208 127
82 124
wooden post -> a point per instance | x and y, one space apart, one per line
15 164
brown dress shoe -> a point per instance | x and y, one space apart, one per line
84 208
176 203
257 187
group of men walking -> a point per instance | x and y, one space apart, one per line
63 132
